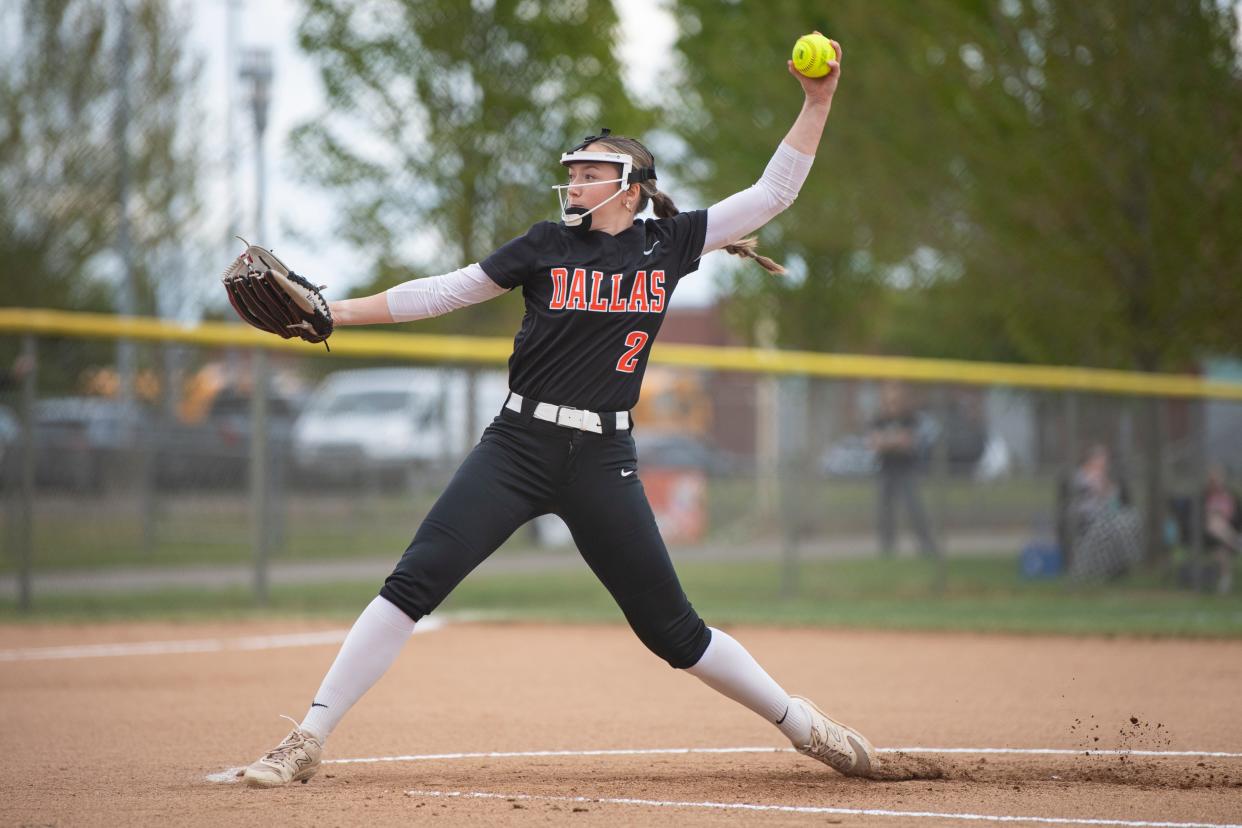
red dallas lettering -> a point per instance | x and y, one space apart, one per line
559 276
657 291
617 305
577 291
598 303
638 293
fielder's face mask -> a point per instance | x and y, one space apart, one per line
579 218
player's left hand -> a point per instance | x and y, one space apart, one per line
820 90
272 298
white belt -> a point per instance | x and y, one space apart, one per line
568 417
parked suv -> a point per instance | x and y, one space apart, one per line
390 422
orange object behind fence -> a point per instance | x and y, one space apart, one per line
679 499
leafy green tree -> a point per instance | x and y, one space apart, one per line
58 155
1037 180
445 120
866 205
1104 232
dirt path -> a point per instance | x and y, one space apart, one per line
131 739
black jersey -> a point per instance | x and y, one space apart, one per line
594 304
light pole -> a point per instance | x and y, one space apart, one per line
232 13
256 69
126 357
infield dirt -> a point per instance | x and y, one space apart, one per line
132 739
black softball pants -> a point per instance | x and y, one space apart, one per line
523 468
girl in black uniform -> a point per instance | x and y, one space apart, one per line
596 287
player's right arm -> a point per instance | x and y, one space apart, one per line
418 298
743 213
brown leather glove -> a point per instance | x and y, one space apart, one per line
272 298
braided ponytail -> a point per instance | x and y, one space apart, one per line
662 205
746 249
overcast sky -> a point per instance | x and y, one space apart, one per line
300 218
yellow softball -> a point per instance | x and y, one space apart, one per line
811 55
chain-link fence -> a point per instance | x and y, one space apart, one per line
242 465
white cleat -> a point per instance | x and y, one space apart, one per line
837 745
294 760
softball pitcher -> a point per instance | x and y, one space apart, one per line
596 287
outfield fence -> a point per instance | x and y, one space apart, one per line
230 456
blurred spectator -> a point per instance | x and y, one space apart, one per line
10 384
1222 526
1104 527
894 437
11 380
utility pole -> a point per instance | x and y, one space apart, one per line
128 299
256 69
232 11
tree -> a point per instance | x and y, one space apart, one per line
1042 180
445 121
865 207
1103 235
59 162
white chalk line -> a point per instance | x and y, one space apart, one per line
1219 754
816 809
203 645
230 774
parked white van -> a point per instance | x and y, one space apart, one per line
392 422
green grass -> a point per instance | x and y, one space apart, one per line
77 532
980 594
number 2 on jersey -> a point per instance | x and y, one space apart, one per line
634 340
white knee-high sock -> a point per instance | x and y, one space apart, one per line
727 668
368 651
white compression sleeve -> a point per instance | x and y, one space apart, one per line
747 211
437 295
369 650
728 669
